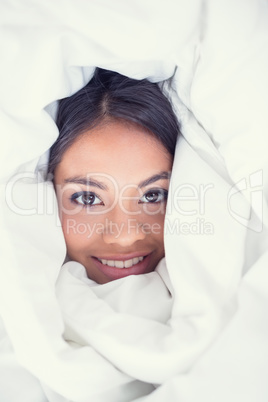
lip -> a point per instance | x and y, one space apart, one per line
122 257
113 273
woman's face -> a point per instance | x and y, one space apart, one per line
111 187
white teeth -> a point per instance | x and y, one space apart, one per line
119 264
122 264
128 263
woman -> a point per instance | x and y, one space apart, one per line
111 166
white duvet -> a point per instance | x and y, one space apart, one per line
209 341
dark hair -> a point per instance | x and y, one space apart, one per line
112 96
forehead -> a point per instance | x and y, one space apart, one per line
121 150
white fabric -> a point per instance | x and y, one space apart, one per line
27 388
135 307
215 343
235 368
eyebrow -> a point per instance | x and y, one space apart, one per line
87 182
95 183
154 178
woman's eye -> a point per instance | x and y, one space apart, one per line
86 198
154 196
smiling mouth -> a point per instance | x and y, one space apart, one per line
122 266
120 263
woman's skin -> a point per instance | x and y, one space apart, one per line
111 186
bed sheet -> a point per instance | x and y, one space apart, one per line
211 58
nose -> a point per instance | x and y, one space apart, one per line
123 229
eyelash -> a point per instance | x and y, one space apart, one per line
153 192
158 192
75 197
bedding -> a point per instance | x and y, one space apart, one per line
134 307
211 58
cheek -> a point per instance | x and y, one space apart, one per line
153 226
78 233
